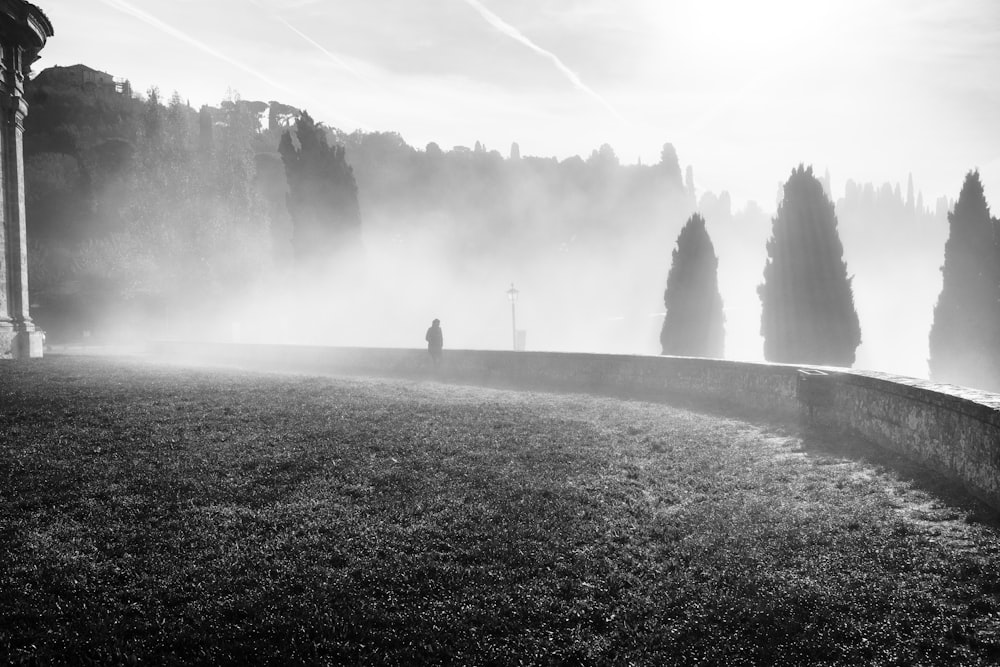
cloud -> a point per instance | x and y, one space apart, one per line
515 34
340 62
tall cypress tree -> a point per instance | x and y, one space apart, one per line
322 197
694 323
807 304
965 334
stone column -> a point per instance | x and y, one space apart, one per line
23 31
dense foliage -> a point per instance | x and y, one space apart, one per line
216 224
807 305
138 211
468 211
322 197
694 324
965 336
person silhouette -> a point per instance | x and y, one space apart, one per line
435 341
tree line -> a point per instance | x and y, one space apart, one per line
807 298
145 206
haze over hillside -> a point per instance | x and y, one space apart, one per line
586 240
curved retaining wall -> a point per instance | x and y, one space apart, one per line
953 430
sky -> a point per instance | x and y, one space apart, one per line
868 89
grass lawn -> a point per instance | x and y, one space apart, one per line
163 515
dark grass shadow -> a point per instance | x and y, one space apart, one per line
814 441
782 423
821 441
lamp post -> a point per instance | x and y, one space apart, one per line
512 295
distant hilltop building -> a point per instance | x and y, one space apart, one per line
83 77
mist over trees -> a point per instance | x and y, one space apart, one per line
322 197
144 210
965 335
894 244
694 322
218 220
138 208
807 305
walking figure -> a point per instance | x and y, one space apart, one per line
435 341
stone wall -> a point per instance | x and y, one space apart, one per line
953 430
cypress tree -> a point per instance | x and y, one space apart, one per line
965 333
322 195
670 165
694 324
807 304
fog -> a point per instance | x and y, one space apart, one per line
897 281
605 298
178 226
575 301
745 91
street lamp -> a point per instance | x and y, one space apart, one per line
512 295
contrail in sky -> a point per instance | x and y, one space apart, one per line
127 8
340 62
518 36
332 56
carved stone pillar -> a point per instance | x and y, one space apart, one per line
23 31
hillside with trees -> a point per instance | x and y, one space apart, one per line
136 209
139 205
149 217
322 197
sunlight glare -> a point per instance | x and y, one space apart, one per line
722 36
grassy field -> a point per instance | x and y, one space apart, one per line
161 515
